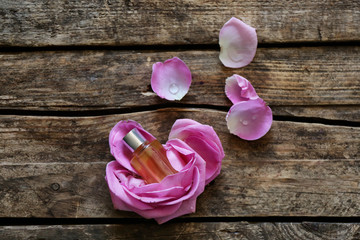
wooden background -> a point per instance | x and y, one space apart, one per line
70 70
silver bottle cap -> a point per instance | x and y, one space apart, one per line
134 139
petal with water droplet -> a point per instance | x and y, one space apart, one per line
171 80
241 122
238 42
239 89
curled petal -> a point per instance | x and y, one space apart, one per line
239 89
171 80
238 42
249 120
204 140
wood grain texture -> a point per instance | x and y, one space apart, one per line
204 230
331 112
55 167
295 81
149 22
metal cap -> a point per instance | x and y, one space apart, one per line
134 139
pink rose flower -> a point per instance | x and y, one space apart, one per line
194 150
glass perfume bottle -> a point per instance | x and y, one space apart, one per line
149 158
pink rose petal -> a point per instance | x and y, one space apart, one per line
187 206
238 42
204 140
249 120
239 89
171 80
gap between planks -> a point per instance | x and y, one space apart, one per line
187 230
186 219
166 48
167 107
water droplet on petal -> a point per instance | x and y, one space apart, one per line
173 88
254 117
245 122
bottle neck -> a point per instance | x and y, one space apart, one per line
134 139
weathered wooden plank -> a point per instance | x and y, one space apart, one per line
57 166
203 230
26 139
244 189
301 79
39 23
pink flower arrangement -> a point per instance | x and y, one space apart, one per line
193 149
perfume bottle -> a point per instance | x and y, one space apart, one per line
149 158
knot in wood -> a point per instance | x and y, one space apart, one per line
55 186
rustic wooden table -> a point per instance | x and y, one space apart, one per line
70 70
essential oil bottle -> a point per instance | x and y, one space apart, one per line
149 158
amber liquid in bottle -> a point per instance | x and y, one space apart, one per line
149 158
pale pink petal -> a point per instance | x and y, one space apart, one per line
238 42
249 120
238 89
171 80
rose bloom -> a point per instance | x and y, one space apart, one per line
194 150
